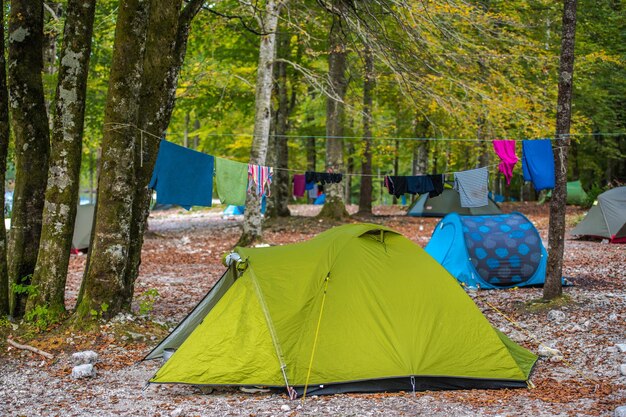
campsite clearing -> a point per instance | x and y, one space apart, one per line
182 260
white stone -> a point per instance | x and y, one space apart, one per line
556 316
83 371
620 411
177 413
548 352
621 347
556 358
612 317
285 407
87 356
622 369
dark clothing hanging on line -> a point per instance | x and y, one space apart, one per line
416 184
322 177
437 180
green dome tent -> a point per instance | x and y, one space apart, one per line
607 219
448 202
359 308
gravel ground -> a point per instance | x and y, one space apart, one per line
181 260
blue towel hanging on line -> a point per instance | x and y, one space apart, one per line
182 176
538 163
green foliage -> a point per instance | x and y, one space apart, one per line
23 287
97 314
41 317
147 300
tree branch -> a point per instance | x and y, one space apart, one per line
30 348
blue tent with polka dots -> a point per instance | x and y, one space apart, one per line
494 251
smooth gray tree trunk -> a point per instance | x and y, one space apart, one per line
4 148
369 82
556 233
334 207
31 133
280 193
65 158
252 222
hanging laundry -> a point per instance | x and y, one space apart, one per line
182 176
437 180
231 178
472 186
397 185
299 185
308 185
538 163
259 179
419 184
505 149
313 191
323 177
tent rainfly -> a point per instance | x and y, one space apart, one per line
498 251
82 226
358 308
448 202
607 219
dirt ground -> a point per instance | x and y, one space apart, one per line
182 260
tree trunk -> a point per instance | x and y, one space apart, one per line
281 176
104 280
369 82
4 147
252 228
65 157
556 244
31 132
168 31
334 207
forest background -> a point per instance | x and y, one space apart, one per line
423 87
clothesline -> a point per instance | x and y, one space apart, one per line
185 177
302 171
433 139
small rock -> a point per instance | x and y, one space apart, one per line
556 316
622 369
612 317
620 411
136 336
575 328
556 358
177 413
87 356
548 352
83 371
621 347
612 349
285 407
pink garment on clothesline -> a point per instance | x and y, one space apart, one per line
299 183
505 149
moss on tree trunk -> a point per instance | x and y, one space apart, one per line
166 44
103 288
65 157
31 133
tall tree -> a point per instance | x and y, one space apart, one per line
166 46
252 227
556 234
4 148
369 82
334 207
65 157
31 132
103 284
280 193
